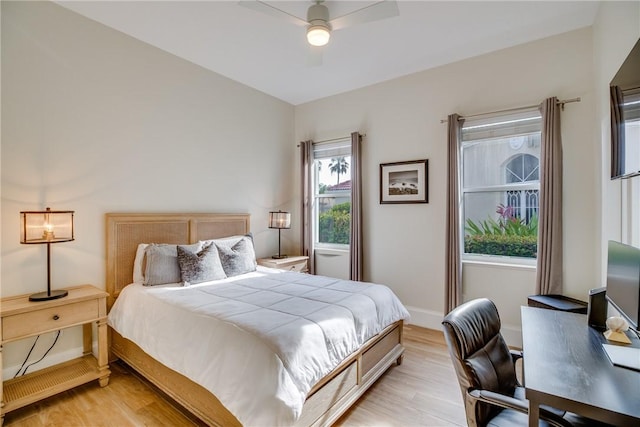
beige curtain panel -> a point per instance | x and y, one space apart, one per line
306 238
617 131
453 284
356 208
550 253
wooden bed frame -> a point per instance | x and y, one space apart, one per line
326 402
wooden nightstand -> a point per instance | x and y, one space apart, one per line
21 318
292 263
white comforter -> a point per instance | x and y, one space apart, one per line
259 341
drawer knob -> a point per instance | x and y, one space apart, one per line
56 317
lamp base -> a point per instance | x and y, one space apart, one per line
45 296
279 256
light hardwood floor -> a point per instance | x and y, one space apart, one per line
423 391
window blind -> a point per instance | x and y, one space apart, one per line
340 148
520 123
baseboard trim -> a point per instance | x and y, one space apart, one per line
433 320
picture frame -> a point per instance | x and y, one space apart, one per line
404 182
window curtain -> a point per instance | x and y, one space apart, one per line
356 208
306 168
550 255
617 131
453 290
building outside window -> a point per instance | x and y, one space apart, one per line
500 186
332 183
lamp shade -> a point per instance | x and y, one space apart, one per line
39 227
319 29
279 220
318 35
46 227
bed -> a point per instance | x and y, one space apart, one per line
327 398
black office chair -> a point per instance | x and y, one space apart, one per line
485 367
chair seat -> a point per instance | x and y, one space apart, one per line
519 394
574 419
511 418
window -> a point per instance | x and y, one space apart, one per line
332 194
500 185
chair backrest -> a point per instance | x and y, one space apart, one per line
479 354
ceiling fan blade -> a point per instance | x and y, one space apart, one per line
268 9
373 12
314 56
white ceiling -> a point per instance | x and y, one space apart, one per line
271 54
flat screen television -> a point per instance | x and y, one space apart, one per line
623 281
625 117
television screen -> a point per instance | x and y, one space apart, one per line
625 117
623 280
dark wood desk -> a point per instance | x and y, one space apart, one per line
566 367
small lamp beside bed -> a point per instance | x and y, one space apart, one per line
46 227
279 220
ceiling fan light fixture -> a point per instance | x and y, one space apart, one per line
318 35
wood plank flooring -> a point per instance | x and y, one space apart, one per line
423 391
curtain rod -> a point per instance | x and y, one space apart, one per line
348 137
509 110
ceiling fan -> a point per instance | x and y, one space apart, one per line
319 22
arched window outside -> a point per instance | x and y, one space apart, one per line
522 203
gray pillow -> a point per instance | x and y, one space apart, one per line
162 263
239 258
200 267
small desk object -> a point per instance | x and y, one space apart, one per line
21 318
565 366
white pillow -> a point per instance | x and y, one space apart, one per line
138 263
162 263
226 242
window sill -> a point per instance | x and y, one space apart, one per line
499 263
330 250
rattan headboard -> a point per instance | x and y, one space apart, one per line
126 230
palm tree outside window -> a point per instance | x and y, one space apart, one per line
339 165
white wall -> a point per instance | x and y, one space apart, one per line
620 207
404 244
96 121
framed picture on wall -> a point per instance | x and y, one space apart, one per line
404 182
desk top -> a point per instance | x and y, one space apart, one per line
566 367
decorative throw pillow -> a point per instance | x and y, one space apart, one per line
239 258
162 263
200 267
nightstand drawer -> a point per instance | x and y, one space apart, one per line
48 319
300 267
299 264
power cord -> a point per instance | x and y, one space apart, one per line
27 358
39 360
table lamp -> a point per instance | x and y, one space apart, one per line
46 227
279 220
